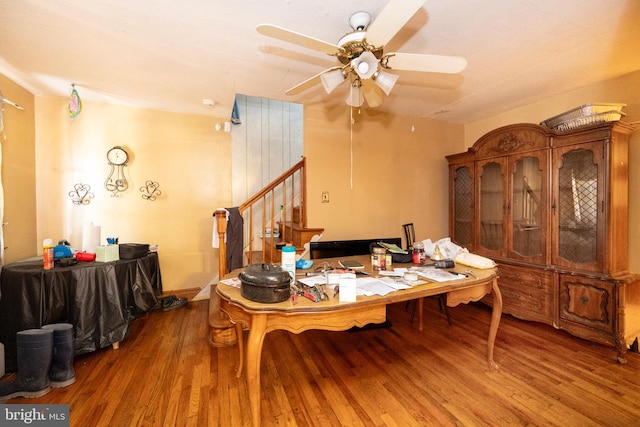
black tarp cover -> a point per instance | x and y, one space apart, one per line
98 299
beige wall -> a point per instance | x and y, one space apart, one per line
397 173
183 153
18 173
390 172
625 89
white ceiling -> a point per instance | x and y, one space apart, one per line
172 54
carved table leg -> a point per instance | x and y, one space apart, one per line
254 352
240 349
496 314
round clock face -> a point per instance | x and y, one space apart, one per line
117 156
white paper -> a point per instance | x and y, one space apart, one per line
396 272
334 278
372 286
399 284
347 288
437 274
313 280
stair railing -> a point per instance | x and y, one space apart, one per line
260 215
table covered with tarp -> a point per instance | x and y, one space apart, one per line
98 298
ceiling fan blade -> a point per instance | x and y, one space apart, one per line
296 38
372 93
310 82
392 18
426 63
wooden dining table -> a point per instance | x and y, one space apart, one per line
334 315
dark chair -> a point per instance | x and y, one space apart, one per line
410 237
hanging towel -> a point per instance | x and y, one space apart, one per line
235 238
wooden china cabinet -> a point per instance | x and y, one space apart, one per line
551 209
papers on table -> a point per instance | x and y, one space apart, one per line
314 280
366 286
234 281
390 280
437 274
379 286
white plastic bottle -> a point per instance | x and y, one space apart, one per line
289 260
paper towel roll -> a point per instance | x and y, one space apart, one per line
90 238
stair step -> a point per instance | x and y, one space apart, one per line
296 234
296 214
276 256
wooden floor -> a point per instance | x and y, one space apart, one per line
166 373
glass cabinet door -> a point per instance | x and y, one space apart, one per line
462 202
528 195
491 199
579 193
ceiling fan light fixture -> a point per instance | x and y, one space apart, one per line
361 54
332 80
385 81
359 21
355 98
365 65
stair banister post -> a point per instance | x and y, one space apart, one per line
221 219
222 332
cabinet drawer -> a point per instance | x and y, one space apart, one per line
527 293
587 301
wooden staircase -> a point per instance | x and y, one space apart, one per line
292 233
288 193
260 216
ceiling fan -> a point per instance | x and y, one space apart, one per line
361 54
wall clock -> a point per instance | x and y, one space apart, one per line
116 181
117 156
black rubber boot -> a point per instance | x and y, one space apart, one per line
61 373
34 350
172 302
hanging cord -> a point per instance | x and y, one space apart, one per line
351 146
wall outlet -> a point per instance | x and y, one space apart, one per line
325 197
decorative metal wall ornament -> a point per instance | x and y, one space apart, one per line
116 182
150 190
80 194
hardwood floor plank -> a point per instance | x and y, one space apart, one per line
167 374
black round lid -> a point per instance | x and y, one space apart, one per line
269 275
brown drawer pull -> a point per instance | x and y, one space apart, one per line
509 294
502 273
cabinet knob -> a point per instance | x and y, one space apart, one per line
510 294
